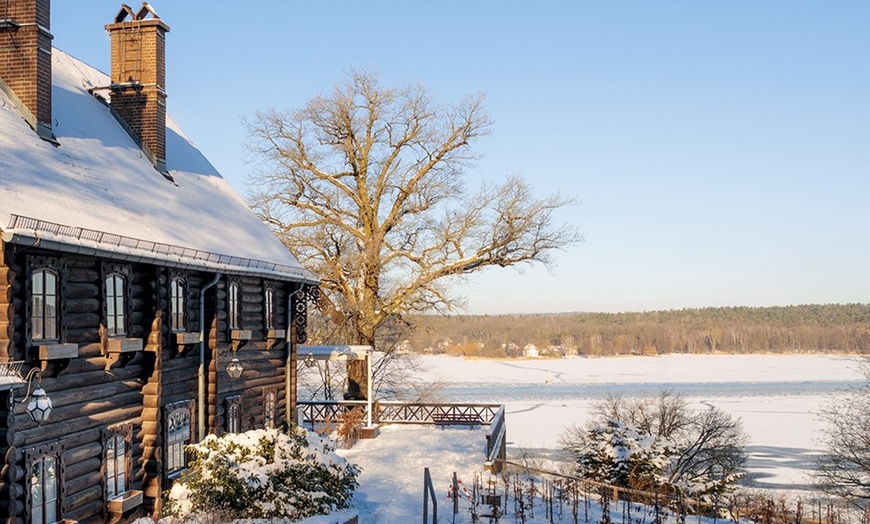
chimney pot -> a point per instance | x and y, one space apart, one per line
139 77
25 60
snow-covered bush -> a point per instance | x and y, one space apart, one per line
660 441
619 455
264 474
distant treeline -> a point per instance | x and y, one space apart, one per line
830 328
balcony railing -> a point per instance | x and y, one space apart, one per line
390 412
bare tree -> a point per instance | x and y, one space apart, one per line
844 468
366 186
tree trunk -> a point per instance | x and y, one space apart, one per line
358 372
357 380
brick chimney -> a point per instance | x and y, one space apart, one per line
25 60
139 77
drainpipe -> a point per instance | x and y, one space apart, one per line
202 330
288 369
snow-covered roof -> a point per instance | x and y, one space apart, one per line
98 193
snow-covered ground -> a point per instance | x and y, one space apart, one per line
777 397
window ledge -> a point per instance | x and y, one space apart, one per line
275 337
121 350
239 338
185 340
123 345
241 334
177 473
58 351
55 357
125 502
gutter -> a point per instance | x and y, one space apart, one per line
201 372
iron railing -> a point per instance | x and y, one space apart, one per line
390 412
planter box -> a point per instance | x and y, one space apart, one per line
123 345
275 337
58 351
184 338
276 334
125 502
241 334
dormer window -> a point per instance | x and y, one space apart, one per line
44 321
116 285
178 305
234 306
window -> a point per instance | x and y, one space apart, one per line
270 308
43 290
116 286
177 305
117 442
43 489
178 433
45 476
234 414
234 306
270 397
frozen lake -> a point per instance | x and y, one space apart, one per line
777 397
495 392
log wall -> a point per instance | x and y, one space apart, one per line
88 398
263 368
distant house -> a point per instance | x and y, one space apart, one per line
531 351
155 305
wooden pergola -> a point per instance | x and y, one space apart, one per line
344 353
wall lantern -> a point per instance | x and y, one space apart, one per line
39 407
234 368
309 360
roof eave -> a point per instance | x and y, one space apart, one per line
30 239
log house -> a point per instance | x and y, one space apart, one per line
131 275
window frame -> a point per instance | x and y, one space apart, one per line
270 407
39 312
233 414
178 303
37 456
118 302
114 434
234 303
269 307
174 447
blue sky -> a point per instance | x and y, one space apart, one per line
720 150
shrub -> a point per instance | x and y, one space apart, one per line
264 474
632 442
620 455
